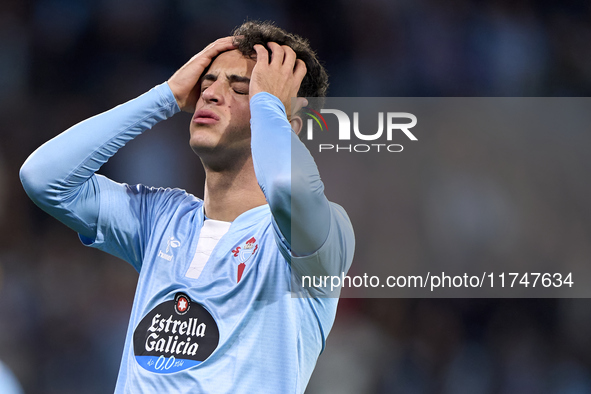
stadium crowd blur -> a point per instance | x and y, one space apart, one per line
64 308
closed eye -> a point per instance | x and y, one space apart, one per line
240 87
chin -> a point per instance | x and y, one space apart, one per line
221 157
203 148
203 137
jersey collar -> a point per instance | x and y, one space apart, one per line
249 218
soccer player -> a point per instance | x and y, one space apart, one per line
213 310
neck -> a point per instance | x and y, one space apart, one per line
229 192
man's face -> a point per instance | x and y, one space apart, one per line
220 128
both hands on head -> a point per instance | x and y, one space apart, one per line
281 75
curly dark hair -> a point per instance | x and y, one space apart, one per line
250 33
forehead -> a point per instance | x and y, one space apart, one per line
232 62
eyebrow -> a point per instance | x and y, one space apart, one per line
231 78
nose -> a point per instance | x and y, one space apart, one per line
213 93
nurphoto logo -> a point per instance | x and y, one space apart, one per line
394 124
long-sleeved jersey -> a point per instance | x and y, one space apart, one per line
214 310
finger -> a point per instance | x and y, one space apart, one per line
300 70
289 58
262 54
212 50
277 53
300 102
219 46
217 42
225 39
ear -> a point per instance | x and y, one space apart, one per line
296 120
296 124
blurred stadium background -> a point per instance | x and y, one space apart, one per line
64 308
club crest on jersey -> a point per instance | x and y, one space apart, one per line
243 253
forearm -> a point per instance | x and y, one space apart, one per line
295 194
58 175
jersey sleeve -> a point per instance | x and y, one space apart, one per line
60 176
315 235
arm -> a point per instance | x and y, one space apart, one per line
284 168
59 175
288 176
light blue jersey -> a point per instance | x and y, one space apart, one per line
213 310
8 382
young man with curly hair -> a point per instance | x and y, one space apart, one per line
213 310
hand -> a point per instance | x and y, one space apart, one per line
281 77
184 82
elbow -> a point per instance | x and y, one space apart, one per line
33 179
28 177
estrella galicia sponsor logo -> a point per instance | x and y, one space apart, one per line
175 335
378 141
